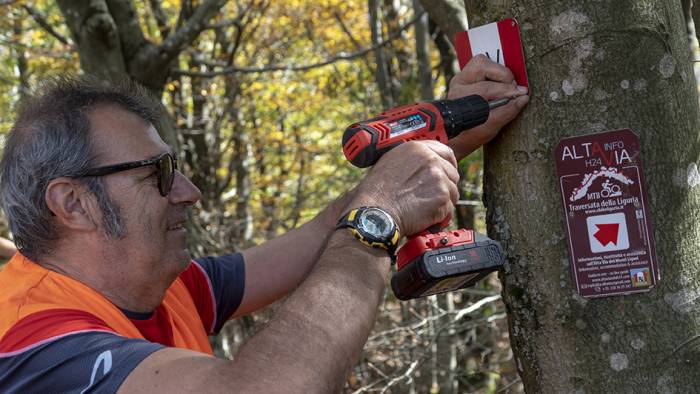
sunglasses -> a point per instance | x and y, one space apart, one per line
165 164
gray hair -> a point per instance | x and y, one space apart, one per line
50 139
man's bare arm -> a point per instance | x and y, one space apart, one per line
308 346
276 267
318 332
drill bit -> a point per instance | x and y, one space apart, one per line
493 104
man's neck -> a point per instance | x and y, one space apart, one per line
111 280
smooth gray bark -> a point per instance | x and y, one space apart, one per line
448 14
425 72
382 72
448 57
111 44
449 18
597 66
20 56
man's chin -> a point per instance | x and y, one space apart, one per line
183 258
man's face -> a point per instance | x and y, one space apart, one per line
154 241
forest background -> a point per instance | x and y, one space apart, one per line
258 99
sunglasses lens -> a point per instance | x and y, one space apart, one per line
167 174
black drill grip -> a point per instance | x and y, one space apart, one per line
463 113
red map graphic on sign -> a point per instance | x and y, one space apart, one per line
607 233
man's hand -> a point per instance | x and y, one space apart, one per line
491 81
415 182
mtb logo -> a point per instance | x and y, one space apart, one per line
610 190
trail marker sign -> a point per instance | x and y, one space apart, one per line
499 41
611 245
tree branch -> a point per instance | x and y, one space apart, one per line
339 57
41 21
128 27
224 23
161 18
350 36
189 31
95 35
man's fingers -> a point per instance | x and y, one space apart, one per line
489 90
442 150
450 170
481 68
454 193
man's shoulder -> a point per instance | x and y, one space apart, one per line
216 284
47 325
76 362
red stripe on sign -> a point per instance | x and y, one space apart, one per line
509 33
464 49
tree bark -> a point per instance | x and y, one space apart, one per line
21 65
382 72
111 44
425 71
448 15
597 66
241 163
448 56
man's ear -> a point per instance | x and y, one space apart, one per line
71 204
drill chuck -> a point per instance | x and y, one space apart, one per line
463 113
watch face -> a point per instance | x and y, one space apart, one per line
376 222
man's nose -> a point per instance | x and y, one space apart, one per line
183 190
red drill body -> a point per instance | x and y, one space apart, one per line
365 142
430 262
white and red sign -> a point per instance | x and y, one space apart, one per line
601 181
499 41
607 233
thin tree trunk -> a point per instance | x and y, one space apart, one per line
241 164
20 56
690 13
448 56
448 15
597 66
382 73
425 71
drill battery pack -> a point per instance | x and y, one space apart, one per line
441 262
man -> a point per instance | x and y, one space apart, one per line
104 296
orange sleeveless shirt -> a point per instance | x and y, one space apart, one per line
27 288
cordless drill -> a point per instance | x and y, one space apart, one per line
432 261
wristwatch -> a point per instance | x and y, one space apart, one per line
373 227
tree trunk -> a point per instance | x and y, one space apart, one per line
448 15
21 64
241 163
111 44
425 70
597 66
448 18
382 72
448 56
